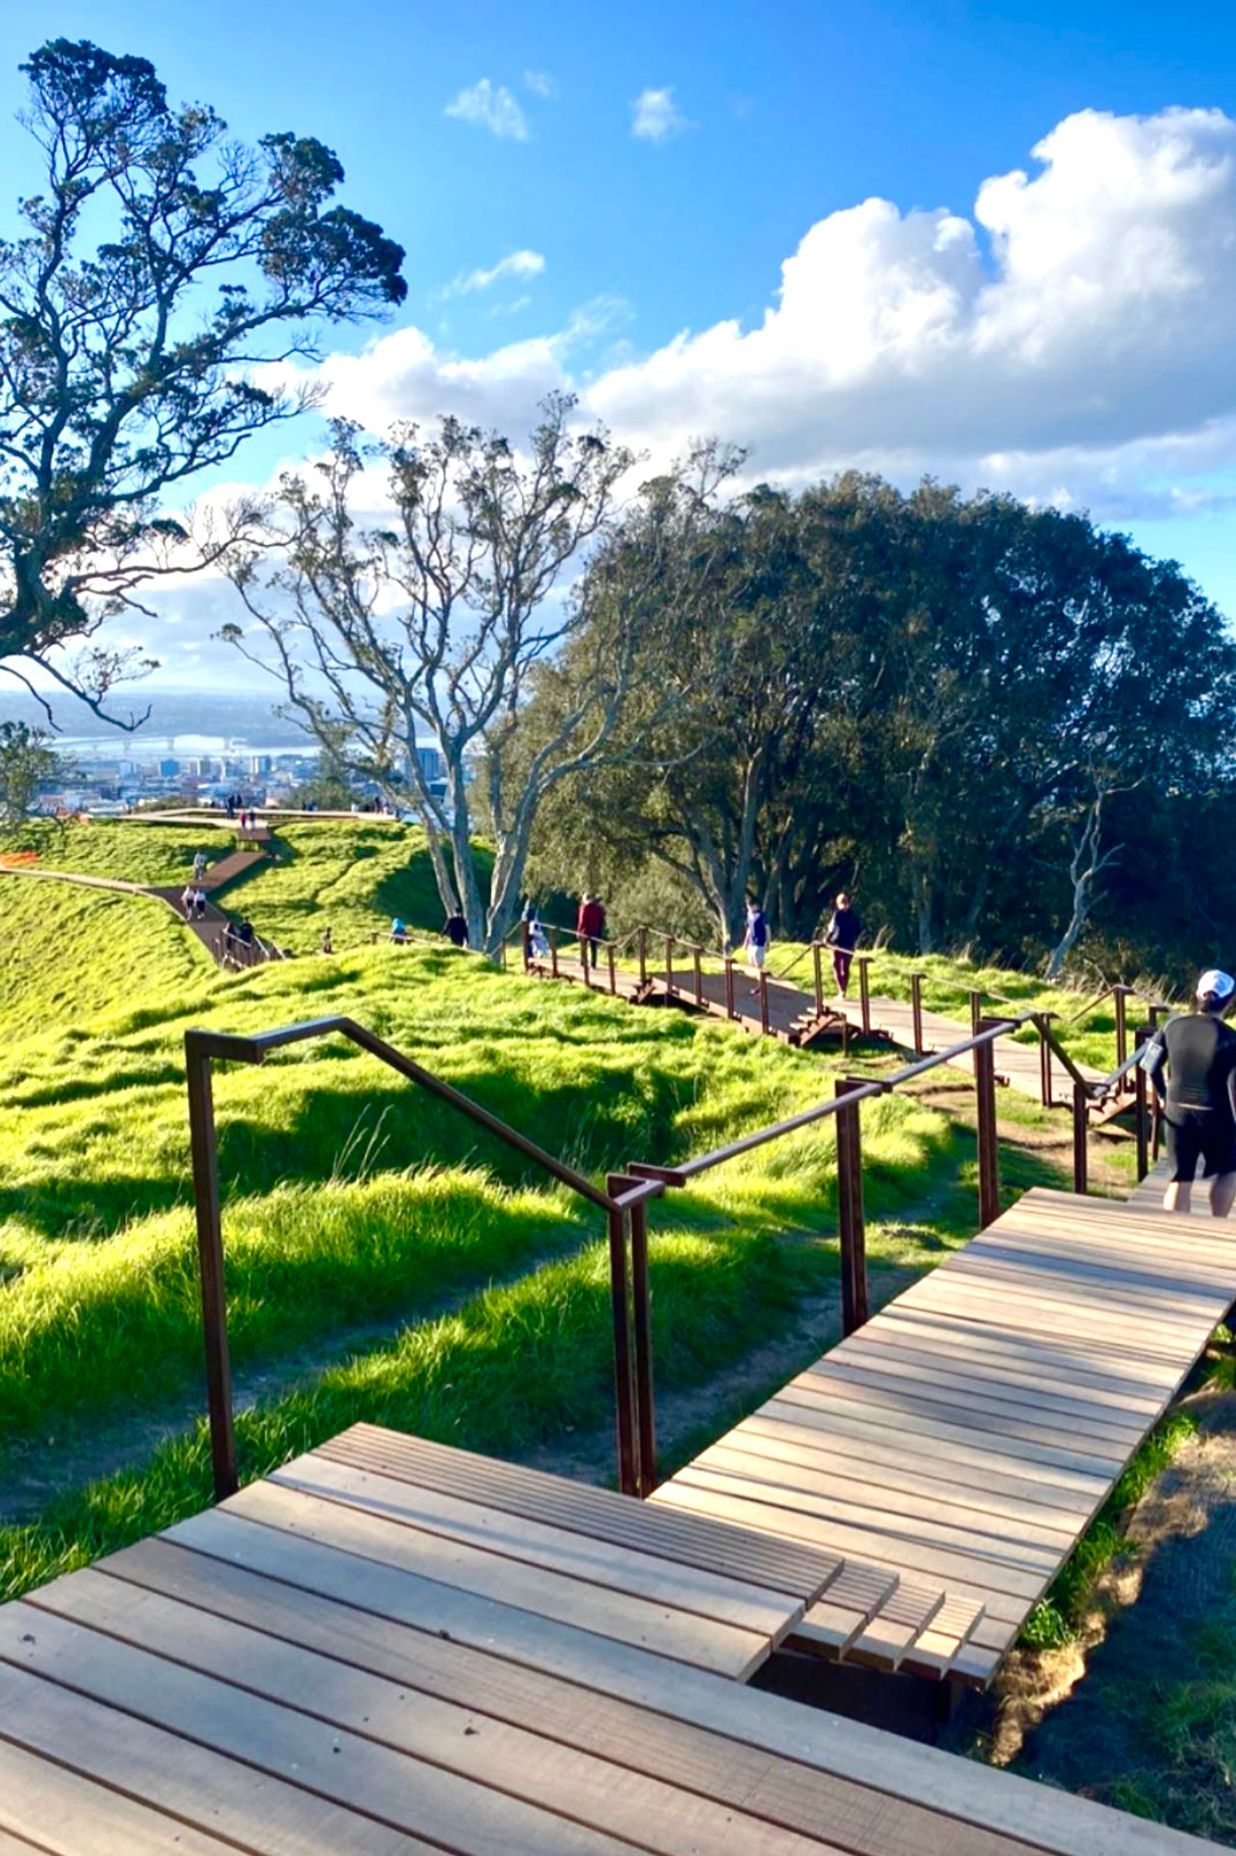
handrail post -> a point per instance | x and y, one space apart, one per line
1139 1113
850 1223
699 980
642 938
988 1150
763 1001
916 1012
645 1408
1119 997
1081 1118
584 961
613 976
819 979
211 1269
669 963
864 990
624 1382
729 986
553 952
976 1013
1040 1023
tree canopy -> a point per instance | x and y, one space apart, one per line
163 264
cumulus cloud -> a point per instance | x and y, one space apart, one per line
516 264
655 116
490 106
540 83
1069 339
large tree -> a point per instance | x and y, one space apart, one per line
162 265
436 628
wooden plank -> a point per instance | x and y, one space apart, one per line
885 1384
973 1301
1145 1310
514 1537
948 1442
599 1513
880 1497
407 1794
719 1647
957 1572
932 1653
896 1626
934 1353
1016 1567
550 1774
833 1622
784 1791
1025 1442
61 1812
1080 1359
962 1484
130 1759
893 1769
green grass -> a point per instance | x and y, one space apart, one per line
353 1201
70 957
351 876
157 855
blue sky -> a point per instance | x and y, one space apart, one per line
776 119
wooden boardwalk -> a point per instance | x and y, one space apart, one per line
964 1438
391 1649
792 1016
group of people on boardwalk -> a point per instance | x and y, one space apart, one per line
841 935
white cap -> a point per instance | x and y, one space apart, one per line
1214 980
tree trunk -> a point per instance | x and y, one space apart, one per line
924 913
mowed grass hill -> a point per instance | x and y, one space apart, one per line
385 1259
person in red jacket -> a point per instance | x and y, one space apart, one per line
590 927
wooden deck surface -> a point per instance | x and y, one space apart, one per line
965 1436
390 1648
791 1010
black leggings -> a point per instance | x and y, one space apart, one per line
842 956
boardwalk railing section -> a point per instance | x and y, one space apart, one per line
622 1202
624 1199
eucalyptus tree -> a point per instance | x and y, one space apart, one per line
161 266
435 626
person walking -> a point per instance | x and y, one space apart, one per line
187 898
755 939
199 903
328 945
199 866
1198 1094
842 935
399 932
456 927
590 926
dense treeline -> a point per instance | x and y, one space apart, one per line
997 725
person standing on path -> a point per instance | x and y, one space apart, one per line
590 926
456 928
188 898
199 867
755 940
842 935
1198 1096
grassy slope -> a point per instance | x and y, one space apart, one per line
154 854
386 1202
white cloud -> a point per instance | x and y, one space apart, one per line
490 106
515 264
655 116
540 83
1070 339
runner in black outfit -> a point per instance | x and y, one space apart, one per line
1199 1095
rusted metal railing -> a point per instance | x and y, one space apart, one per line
623 1203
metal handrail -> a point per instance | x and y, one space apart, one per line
622 1201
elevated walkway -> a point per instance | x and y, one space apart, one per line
389 1648
962 1440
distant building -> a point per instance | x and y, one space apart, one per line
169 769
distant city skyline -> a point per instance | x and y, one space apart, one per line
996 245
